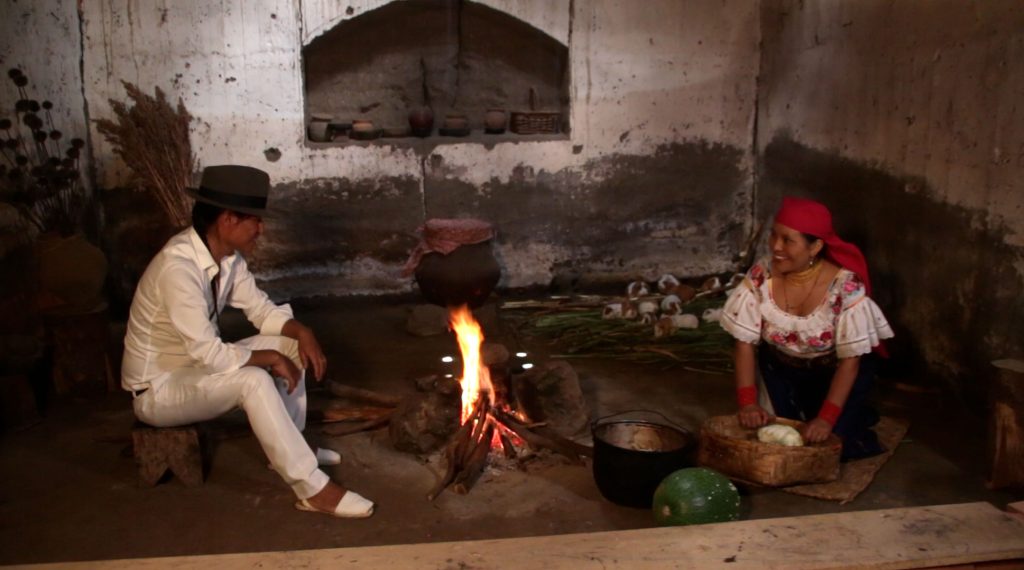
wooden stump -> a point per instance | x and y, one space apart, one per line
83 359
178 449
1006 426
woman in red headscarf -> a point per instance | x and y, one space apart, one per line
804 319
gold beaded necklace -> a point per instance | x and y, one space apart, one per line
800 278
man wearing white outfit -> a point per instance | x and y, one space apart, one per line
178 369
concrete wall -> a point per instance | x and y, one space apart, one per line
43 40
655 176
906 118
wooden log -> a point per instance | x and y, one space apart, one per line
339 429
344 391
476 422
449 473
578 448
506 445
454 452
476 461
331 415
1006 426
536 440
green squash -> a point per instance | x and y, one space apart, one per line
695 495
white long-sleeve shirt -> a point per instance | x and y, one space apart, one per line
172 322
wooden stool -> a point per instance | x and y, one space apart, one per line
179 449
83 357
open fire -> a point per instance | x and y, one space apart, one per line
488 421
476 377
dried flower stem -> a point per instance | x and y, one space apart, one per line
153 140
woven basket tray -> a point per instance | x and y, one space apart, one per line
734 450
534 122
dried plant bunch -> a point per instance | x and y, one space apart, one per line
39 169
152 138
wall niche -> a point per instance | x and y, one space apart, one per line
365 76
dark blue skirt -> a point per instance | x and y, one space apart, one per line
798 392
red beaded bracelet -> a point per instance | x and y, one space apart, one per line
830 413
746 395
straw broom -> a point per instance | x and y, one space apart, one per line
152 138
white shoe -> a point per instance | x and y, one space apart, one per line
351 506
326 456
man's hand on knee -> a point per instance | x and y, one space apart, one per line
310 353
285 368
280 366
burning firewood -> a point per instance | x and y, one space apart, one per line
550 441
488 400
456 450
474 464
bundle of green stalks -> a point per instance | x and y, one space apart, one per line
581 332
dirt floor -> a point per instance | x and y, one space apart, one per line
71 492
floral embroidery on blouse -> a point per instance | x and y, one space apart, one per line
847 321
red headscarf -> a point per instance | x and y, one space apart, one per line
813 218
810 217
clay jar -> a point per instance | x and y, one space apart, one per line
495 121
456 122
363 129
362 126
72 273
319 129
467 275
421 121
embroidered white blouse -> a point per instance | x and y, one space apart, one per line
172 321
847 321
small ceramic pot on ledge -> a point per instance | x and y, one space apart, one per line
421 121
319 129
495 121
455 125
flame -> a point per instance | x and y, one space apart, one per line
476 377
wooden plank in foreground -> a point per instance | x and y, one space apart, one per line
919 537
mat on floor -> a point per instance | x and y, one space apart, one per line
855 476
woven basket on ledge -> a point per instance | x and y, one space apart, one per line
535 122
734 450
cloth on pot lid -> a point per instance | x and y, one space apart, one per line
445 236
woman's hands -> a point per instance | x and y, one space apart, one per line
753 416
816 430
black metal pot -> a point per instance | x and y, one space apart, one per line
632 455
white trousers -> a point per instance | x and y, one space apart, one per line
277 418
